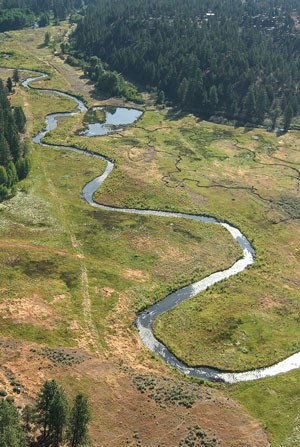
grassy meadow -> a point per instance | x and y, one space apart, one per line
75 276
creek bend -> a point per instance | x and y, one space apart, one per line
145 319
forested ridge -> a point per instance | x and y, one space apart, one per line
14 161
16 14
227 57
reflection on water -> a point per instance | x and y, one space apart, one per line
115 118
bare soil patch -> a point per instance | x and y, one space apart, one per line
29 310
135 275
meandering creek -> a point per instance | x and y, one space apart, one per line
145 319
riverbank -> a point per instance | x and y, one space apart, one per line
144 156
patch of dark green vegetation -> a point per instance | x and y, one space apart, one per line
14 160
219 58
52 267
164 392
17 14
62 356
197 437
190 234
291 205
15 18
107 82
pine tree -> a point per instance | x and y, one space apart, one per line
9 85
2 124
23 167
44 20
20 118
58 413
16 76
4 103
12 137
78 424
261 104
288 115
182 91
26 147
213 98
3 176
45 398
47 38
11 433
5 154
161 97
274 116
11 174
28 416
250 104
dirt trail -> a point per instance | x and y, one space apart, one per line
90 337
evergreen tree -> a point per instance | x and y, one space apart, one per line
4 194
4 103
161 97
16 76
213 98
23 167
44 20
78 425
11 433
288 115
47 38
58 412
28 417
44 405
250 105
5 154
261 103
2 123
3 176
26 147
274 116
9 85
20 119
183 91
11 174
12 137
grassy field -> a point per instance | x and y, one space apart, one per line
275 402
75 277
244 178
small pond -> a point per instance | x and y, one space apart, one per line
114 119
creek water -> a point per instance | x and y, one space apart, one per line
115 119
146 318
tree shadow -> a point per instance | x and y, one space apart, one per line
175 114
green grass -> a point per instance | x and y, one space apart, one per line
224 172
170 162
275 403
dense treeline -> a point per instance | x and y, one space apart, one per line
16 14
14 161
52 422
228 57
15 19
107 82
60 8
